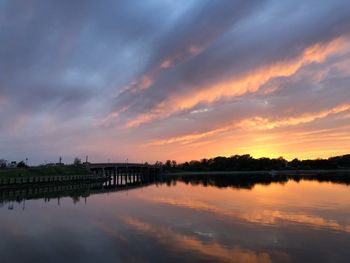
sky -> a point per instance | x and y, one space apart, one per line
160 79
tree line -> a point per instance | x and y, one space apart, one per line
247 163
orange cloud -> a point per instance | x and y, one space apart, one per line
259 123
256 123
112 116
147 80
188 138
143 83
181 56
166 63
248 83
146 117
194 50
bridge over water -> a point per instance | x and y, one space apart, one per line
124 172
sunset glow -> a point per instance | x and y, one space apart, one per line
196 81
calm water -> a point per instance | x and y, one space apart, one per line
305 221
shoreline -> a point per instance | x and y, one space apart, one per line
271 172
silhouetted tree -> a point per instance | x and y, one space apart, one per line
21 164
167 165
248 163
173 164
157 163
77 161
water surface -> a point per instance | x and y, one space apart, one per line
182 220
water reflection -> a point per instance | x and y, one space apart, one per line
170 238
248 181
216 218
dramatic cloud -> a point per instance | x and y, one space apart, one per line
149 80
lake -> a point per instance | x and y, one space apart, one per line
182 220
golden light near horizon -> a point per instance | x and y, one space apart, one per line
260 145
177 90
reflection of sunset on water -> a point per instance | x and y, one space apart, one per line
182 242
229 220
300 203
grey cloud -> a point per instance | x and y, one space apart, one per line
305 92
63 59
302 92
43 41
199 27
275 32
69 59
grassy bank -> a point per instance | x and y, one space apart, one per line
44 171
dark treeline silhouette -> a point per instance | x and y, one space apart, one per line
248 163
